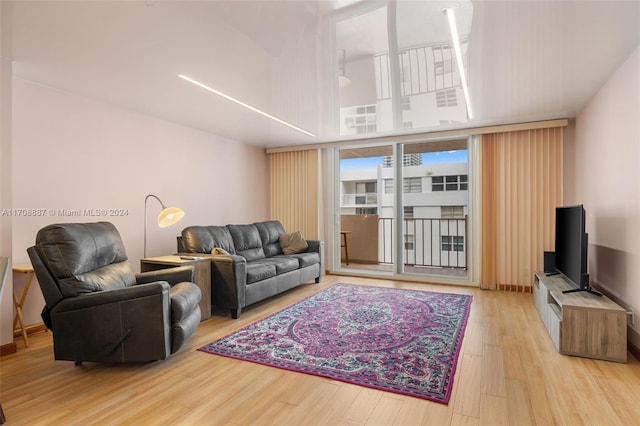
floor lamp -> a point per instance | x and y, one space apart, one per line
167 217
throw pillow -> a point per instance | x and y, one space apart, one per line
217 250
293 243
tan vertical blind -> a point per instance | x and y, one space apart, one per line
521 186
295 181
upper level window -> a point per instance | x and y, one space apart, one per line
388 186
412 184
452 212
449 183
452 243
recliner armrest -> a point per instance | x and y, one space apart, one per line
171 275
113 296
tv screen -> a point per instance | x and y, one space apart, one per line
571 246
570 256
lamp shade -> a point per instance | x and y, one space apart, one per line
169 216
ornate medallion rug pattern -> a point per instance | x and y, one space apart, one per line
396 340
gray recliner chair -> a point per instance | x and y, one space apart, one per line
98 309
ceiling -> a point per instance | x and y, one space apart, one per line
527 60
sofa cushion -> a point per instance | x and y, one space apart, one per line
293 243
203 239
282 263
270 232
257 271
306 259
247 241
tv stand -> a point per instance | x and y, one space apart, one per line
578 323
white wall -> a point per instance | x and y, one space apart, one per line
74 153
607 181
6 304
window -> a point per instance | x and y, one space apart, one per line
408 242
437 183
412 184
449 183
463 183
388 186
452 212
452 183
452 243
366 210
408 212
446 98
366 193
358 120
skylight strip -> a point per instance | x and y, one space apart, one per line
239 102
456 47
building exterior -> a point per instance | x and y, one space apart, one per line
435 208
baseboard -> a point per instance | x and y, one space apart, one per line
8 349
30 329
515 288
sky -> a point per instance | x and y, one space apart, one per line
441 157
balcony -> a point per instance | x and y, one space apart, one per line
431 245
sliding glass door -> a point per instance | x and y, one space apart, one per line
434 208
404 209
364 209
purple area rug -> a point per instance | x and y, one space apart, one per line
396 340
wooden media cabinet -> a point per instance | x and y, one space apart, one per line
580 324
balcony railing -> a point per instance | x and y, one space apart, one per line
427 242
368 199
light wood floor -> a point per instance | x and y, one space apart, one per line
508 373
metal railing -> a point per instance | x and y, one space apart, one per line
430 242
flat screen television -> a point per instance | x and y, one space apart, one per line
572 247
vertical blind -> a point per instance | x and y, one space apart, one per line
521 186
295 193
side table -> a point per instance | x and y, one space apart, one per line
18 320
202 277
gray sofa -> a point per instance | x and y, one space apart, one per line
255 267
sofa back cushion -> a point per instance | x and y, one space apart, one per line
85 257
203 239
270 232
247 241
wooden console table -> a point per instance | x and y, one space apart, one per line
202 277
580 323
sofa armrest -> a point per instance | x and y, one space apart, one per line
228 281
317 246
170 275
